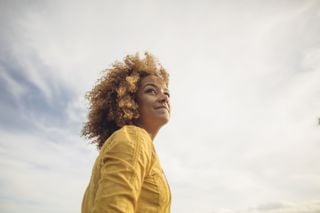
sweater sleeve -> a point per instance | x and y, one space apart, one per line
124 165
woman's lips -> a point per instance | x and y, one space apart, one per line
162 107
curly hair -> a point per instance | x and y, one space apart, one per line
112 101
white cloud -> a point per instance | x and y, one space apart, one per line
285 207
16 90
40 173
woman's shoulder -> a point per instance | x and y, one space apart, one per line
129 135
132 132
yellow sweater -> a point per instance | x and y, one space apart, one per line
127 176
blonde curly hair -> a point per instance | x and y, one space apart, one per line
112 101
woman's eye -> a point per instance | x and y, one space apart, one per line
151 91
167 94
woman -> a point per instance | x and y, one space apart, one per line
128 106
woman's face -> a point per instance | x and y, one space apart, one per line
153 101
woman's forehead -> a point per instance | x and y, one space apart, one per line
153 80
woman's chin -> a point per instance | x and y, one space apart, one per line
163 120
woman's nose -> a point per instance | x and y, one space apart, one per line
164 98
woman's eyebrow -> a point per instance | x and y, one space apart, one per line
154 85
150 84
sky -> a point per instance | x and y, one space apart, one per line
244 135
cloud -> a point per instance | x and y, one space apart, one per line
283 207
26 104
312 206
42 170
